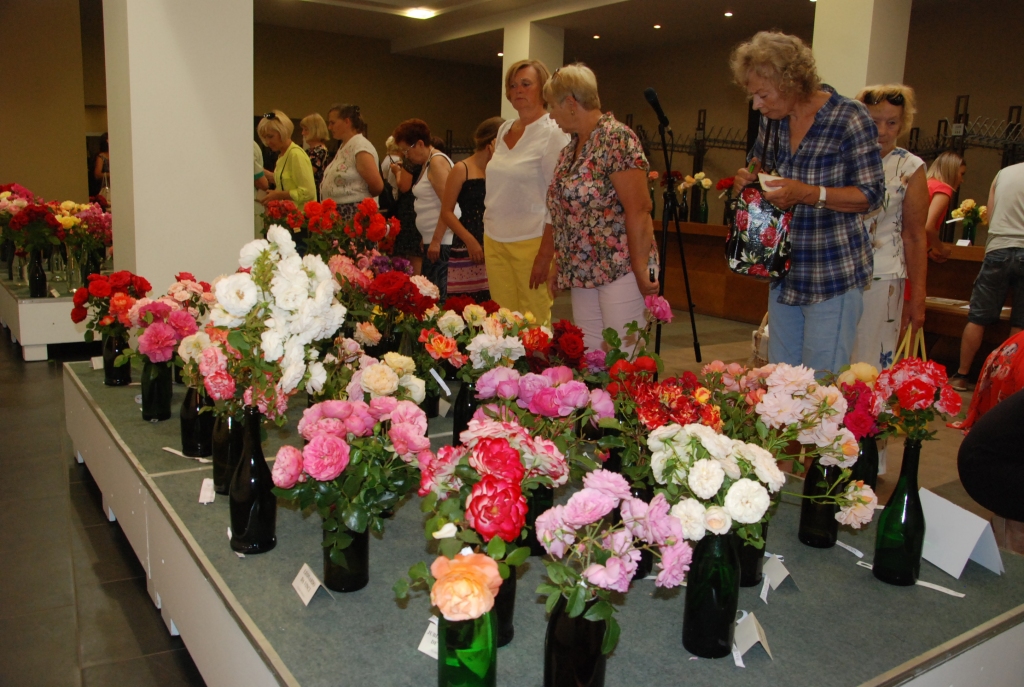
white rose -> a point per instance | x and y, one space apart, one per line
426 287
294 352
481 347
765 466
251 251
282 239
237 294
191 347
379 380
401 364
321 272
450 324
717 520
291 376
665 437
317 377
219 317
690 514
718 445
272 344
448 531
705 478
659 464
415 386
746 501
512 348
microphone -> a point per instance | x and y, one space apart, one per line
652 98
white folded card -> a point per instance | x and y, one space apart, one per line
748 633
953 536
763 177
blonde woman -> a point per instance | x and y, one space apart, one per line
897 233
314 137
945 175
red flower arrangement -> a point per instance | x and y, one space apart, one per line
862 410
725 183
563 347
401 292
285 213
35 228
915 390
109 301
674 179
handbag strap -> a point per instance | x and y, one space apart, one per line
769 142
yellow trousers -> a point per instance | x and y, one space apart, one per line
508 274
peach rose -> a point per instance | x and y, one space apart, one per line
465 586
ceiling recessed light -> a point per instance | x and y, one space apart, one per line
420 13
596 36
501 54
728 14
657 26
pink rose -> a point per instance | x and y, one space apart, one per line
615 574
675 561
410 413
287 467
502 382
437 473
325 457
602 404
360 422
490 410
158 309
662 528
570 397
595 360
553 533
211 360
545 402
611 483
158 342
220 385
382 407
183 323
634 516
587 506
558 375
407 440
659 308
325 425
529 385
339 410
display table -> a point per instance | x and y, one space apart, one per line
244 624
36 322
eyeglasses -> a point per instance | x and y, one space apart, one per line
269 115
896 99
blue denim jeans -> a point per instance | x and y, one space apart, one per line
819 336
1001 273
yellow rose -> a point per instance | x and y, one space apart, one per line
957 214
967 205
698 176
401 364
5 195
859 372
68 222
983 213
706 183
68 205
474 315
379 380
689 179
529 317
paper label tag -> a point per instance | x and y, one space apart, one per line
53 292
955 536
306 583
428 644
447 391
855 552
237 553
963 242
922 583
765 586
97 362
443 407
775 571
748 633
737 657
207 494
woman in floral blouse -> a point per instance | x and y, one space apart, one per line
600 210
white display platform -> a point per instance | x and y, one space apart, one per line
36 322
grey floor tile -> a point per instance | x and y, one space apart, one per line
36 580
34 523
103 554
30 478
40 649
118 621
86 503
168 669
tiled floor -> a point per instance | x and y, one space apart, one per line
73 603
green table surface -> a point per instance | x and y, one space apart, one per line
20 291
832 624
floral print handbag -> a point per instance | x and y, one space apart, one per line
759 243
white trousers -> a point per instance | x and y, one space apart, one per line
612 305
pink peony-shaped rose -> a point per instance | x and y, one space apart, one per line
529 385
602 404
183 323
595 360
634 516
158 342
587 506
557 375
675 562
662 528
659 308
410 413
287 467
360 422
545 403
615 574
325 457
611 483
497 457
382 407
571 396
159 311
211 360
553 533
502 382
407 440
220 385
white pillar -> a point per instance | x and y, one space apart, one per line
527 40
858 43
179 109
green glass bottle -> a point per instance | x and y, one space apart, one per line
467 652
900 535
712 596
704 207
818 525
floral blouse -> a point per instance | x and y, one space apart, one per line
885 225
589 221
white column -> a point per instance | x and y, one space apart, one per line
179 109
858 43
527 40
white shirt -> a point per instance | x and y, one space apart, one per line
387 175
885 225
428 204
515 207
342 182
1006 222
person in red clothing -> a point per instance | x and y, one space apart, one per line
945 175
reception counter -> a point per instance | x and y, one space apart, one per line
245 625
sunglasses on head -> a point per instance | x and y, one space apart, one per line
269 115
896 99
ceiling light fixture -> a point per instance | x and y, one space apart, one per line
596 36
657 26
728 14
420 13
501 54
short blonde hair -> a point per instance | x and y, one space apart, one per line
577 80
946 167
542 75
391 147
784 60
279 123
315 126
873 95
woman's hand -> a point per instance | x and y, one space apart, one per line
785 193
940 254
275 195
541 272
745 177
434 250
476 251
645 284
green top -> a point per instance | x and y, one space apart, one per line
294 174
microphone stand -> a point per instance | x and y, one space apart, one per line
671 210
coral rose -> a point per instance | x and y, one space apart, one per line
287 467
465 586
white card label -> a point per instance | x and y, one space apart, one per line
97 362
856 552
443 407
237 553
53 292
748 633
428 644
922 583
774 575
207 494
955 535
306 583
963 242
447 391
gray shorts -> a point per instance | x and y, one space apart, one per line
1002 272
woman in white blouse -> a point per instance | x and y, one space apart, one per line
518 241
354 173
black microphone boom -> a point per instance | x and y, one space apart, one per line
652 98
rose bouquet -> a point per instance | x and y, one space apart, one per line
35 228
971 214
367 231
593 555
474 341
206 355
863 407
107 301
160 325
914 391
13 199
274 309
700 180
283 213
562 347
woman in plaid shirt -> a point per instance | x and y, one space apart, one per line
827 154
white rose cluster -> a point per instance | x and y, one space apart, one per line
485 350
385 377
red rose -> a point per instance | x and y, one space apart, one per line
497 457
96 277
645 363
688 380
570 345
458 303
141 286
78 313
490 307
860 423
621 368
758 270
206 286
378 228
184 276
368 206
949 401
387 289
915 394
81 296
99 288
612 389
120 280
496 508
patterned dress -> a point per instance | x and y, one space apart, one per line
318 158
465 276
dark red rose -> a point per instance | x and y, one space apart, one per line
81 296
458 303
78 313
387 289
120 280
860 423
184 276
490 307
99 288
141 286
570 345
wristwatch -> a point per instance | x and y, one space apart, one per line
821 198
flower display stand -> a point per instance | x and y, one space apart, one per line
36 322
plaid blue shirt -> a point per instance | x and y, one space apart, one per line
831 250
